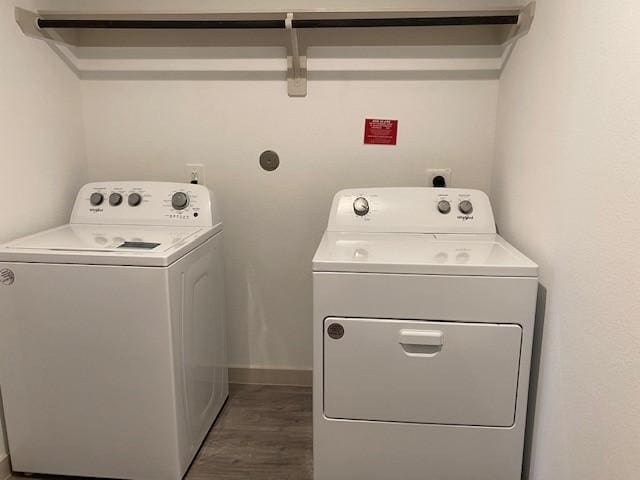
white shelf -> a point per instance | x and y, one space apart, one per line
285 52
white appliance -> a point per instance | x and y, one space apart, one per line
112 345
423 326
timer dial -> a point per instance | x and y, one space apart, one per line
180 200
361 206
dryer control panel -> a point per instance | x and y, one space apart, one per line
411 210
145 203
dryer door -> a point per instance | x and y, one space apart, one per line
421 372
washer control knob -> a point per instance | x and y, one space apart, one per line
465 207
361 206
96 199
134 199
444 206
115 199
180 200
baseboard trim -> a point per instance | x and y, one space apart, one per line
5 467
270 376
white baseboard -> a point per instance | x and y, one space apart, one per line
5 468
270 376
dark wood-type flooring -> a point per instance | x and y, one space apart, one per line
263 433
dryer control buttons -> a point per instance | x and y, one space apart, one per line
134 199
465 207
115 199
96 199
180 200
444 206
361 206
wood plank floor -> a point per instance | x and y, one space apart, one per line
263 433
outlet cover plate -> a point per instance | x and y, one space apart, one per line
434 172
197 170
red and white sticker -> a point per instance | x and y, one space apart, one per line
378 131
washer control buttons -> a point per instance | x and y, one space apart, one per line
96 199
115 199
361 206
444 206
134 199
179 200
465 207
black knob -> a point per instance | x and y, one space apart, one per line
115 199
96 199
134 199
444 206
465 207
179 200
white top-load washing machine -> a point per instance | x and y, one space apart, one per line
423 326
112 335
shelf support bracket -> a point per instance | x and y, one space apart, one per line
524 23
28 23
296 63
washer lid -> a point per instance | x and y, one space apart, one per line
429 254
106 244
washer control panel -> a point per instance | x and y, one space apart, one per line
412 210
145 203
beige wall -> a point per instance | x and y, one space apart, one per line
566 186
42 155
274 221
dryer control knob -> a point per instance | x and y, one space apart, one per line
180 200
96 199
465 207
115 199
361 206
444 206
134 199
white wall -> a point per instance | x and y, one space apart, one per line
42 155
566 187
274 221
565 183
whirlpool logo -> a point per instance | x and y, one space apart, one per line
7 277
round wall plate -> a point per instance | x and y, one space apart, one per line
269 160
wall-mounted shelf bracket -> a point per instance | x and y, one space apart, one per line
296 62
525 20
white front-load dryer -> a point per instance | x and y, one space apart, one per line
422 335
112 344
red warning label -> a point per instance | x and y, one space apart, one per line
379 131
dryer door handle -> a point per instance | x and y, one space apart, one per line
431 338
421 343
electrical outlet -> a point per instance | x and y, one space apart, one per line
195 172
435 172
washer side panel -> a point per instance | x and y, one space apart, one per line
199 346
